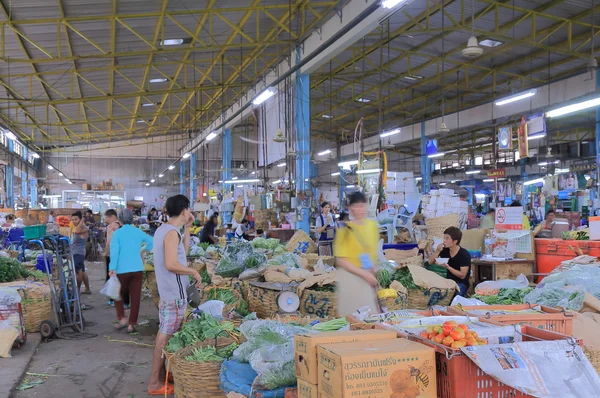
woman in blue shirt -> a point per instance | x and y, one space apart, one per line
126 263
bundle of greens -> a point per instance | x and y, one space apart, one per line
405 278
202 328
569 297
205 276
331 326
232 264
12 270
384 278
255 260
211 354
266 244
505 296
286 259
228 297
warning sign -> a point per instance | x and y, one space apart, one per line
509 218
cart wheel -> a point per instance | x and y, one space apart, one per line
47 329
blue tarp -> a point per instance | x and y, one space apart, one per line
238 377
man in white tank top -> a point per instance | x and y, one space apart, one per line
172 277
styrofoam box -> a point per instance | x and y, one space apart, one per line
434 192
410 189
430 207
445 191
455 200
454 210
440 206
426 199
433 200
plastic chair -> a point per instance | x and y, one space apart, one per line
387 229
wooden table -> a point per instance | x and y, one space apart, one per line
493 270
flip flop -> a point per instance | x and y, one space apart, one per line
169 389
131 329
85 307
120 326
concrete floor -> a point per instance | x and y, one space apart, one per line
96 367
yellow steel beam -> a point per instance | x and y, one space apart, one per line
152 44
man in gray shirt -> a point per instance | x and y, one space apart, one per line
172 277
80 237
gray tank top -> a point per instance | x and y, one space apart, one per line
171 286
78 245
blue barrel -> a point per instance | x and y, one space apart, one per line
40 265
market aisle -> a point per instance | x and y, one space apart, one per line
95 367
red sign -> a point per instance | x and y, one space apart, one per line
496 173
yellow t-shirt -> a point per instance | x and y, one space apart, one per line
526 225
354 240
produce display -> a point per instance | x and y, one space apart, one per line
504 296
453 335
267 244
199 329
12 270
331 326
575 235
211 354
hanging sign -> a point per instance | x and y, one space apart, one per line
522 141
505 138
536 124
509 218
496 173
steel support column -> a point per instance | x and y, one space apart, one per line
33 192
193 181
10 185
226 156
525 194
24 185
182 178
597 139
303 141
425 162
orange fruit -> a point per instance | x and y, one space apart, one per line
448 341
431 336
471 342
447 329
439 338
455 335
425 335
458 344
482 342
459 330
464 327
438 329
429 329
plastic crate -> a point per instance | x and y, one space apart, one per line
550 253
553 319
34 231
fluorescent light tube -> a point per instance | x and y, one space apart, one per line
472 171
335 174
147 184
171 42
265 95
488 180
543 164
368 171
347 164
50 167
327 116
536 181
536 136
234 178
516 97
363 100
212 135
389 133
325 152
349 186
60 174
171 167
150 104
249 181
186 155
391 3
419 179
66 179
276 182
436 155
580 106
281 164
159 80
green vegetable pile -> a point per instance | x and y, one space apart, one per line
325 288
255 260
331 326
211 354
12 270
286 259
202 328
234 257
204 245
384 278
405 278
228 297
266 244
279 375
205 277
568 298
505 296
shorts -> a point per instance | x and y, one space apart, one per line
171 314
79 261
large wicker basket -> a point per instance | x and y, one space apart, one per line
195 379
390 304
36 302
301 237
262 299
152 286
318 303
422 299
593 355
209 292
436 226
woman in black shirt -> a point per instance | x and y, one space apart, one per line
459 263
208 232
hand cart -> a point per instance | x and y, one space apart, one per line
63 286
13 313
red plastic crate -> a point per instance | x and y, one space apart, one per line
550 253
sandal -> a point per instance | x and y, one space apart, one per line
120 326
85 307
168 389
131 329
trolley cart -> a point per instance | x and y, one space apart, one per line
63 286
13 313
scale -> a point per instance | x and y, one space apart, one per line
287 300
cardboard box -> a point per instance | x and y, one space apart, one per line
307 390
377 369
305 346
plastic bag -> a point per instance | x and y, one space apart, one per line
112 288
487 287
8 335
255 260
286 259
9 295
567 297
460 300
275 365
213 307
321 267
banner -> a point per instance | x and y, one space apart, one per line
509 218
536 124
505 138
496 173
523 143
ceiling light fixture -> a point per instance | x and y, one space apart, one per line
60 174
561 171
249 181
147 184
413 77
391 3
536 181
265 95
153 180
35 155
161 175
488 180
516 97
171 42
141 121
234 178
327 116
159 80
335 174
536 136
580 106
281 164
363 100
211 136
171 167
151 104
491 43
390 133
50 167
472 171
347 164
436 155
418 178
349 186
276 182
325 152
368 171
10 135
186 155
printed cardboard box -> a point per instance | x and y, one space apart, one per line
397 368
307 390
305 346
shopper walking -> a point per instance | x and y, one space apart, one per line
126 263
112 224
355 250
170 266
78 243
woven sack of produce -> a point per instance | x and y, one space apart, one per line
319 303
196 379
263 300
35 301
152 286
301 243
436 226
423 288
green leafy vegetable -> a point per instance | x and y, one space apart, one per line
505 296
255 260
384 278
12 270
205 277
405 278
331 326
202 328
211 354
280 375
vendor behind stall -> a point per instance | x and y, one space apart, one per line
242 228
489 220
208 232
459 263
325 224
546 225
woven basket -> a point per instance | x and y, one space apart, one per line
263 301
209 292
390 304
36 303
301 237
436 226
318 303
152 286
195 379
416 261
422 299
593 356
